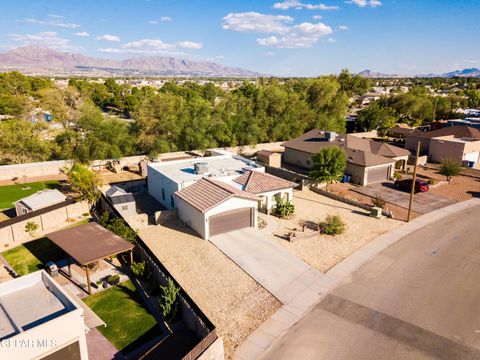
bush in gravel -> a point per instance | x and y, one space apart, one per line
450 168
283 209
332 225
378 202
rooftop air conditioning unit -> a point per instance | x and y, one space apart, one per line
200 168
330 135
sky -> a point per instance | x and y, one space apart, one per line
283 37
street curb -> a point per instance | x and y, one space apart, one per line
276 326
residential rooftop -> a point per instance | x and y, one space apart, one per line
222 164
30 301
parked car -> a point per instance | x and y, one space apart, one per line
406 184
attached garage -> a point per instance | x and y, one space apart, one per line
230 220
211 207
377 174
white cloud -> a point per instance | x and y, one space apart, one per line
152 46
219 57
56 16
331 40
284 35
269 53
317 17
365 3
108 37
256 22
153 22
343 27
287 4
46 38
165 18
82 34
55 22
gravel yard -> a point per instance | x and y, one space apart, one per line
232 300
322 251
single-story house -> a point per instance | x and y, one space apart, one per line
268 188
39 200
166 178
212 207
424 137
368 161
269 158
122 200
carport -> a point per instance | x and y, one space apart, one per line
87 244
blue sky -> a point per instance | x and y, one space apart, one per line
283 37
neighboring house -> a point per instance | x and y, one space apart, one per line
212 207
267 187
269 158
166 178
399 132
122 200
472 122
368 161
465 150
425 137
39 320
39 200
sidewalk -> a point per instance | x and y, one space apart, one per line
272 329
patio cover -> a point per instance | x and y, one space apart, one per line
89 243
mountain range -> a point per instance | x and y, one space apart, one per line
465 73
45 61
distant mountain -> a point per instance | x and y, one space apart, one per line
377 75
468 73
45 61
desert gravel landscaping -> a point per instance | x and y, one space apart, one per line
231 299
323 251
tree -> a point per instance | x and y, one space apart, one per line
85 182
328 165
353 84
31 227
169 301
375 117
284 209
450 168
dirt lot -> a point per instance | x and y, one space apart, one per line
322 251
232 300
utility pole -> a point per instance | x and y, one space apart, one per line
412 190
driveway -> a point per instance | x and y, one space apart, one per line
277 270
414 300
423 203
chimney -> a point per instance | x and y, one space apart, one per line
330 135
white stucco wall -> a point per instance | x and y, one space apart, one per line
156 182
198 221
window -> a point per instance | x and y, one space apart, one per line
163 194
308 162
24 211
172 202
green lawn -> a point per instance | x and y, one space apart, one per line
11 193
30 256
128 320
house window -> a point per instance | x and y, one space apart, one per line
163 194
172 202
24 211
308 162
125 207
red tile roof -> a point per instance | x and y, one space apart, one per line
206 193
256 182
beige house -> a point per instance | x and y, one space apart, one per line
368 161
466 150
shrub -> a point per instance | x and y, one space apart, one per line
169 301
397 176
31 227
113 279
450 168
332 225
283 209
431 181
118 226
379 202
138 268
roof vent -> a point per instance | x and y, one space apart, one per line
330 135
201 168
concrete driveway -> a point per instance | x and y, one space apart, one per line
423 203
281 273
